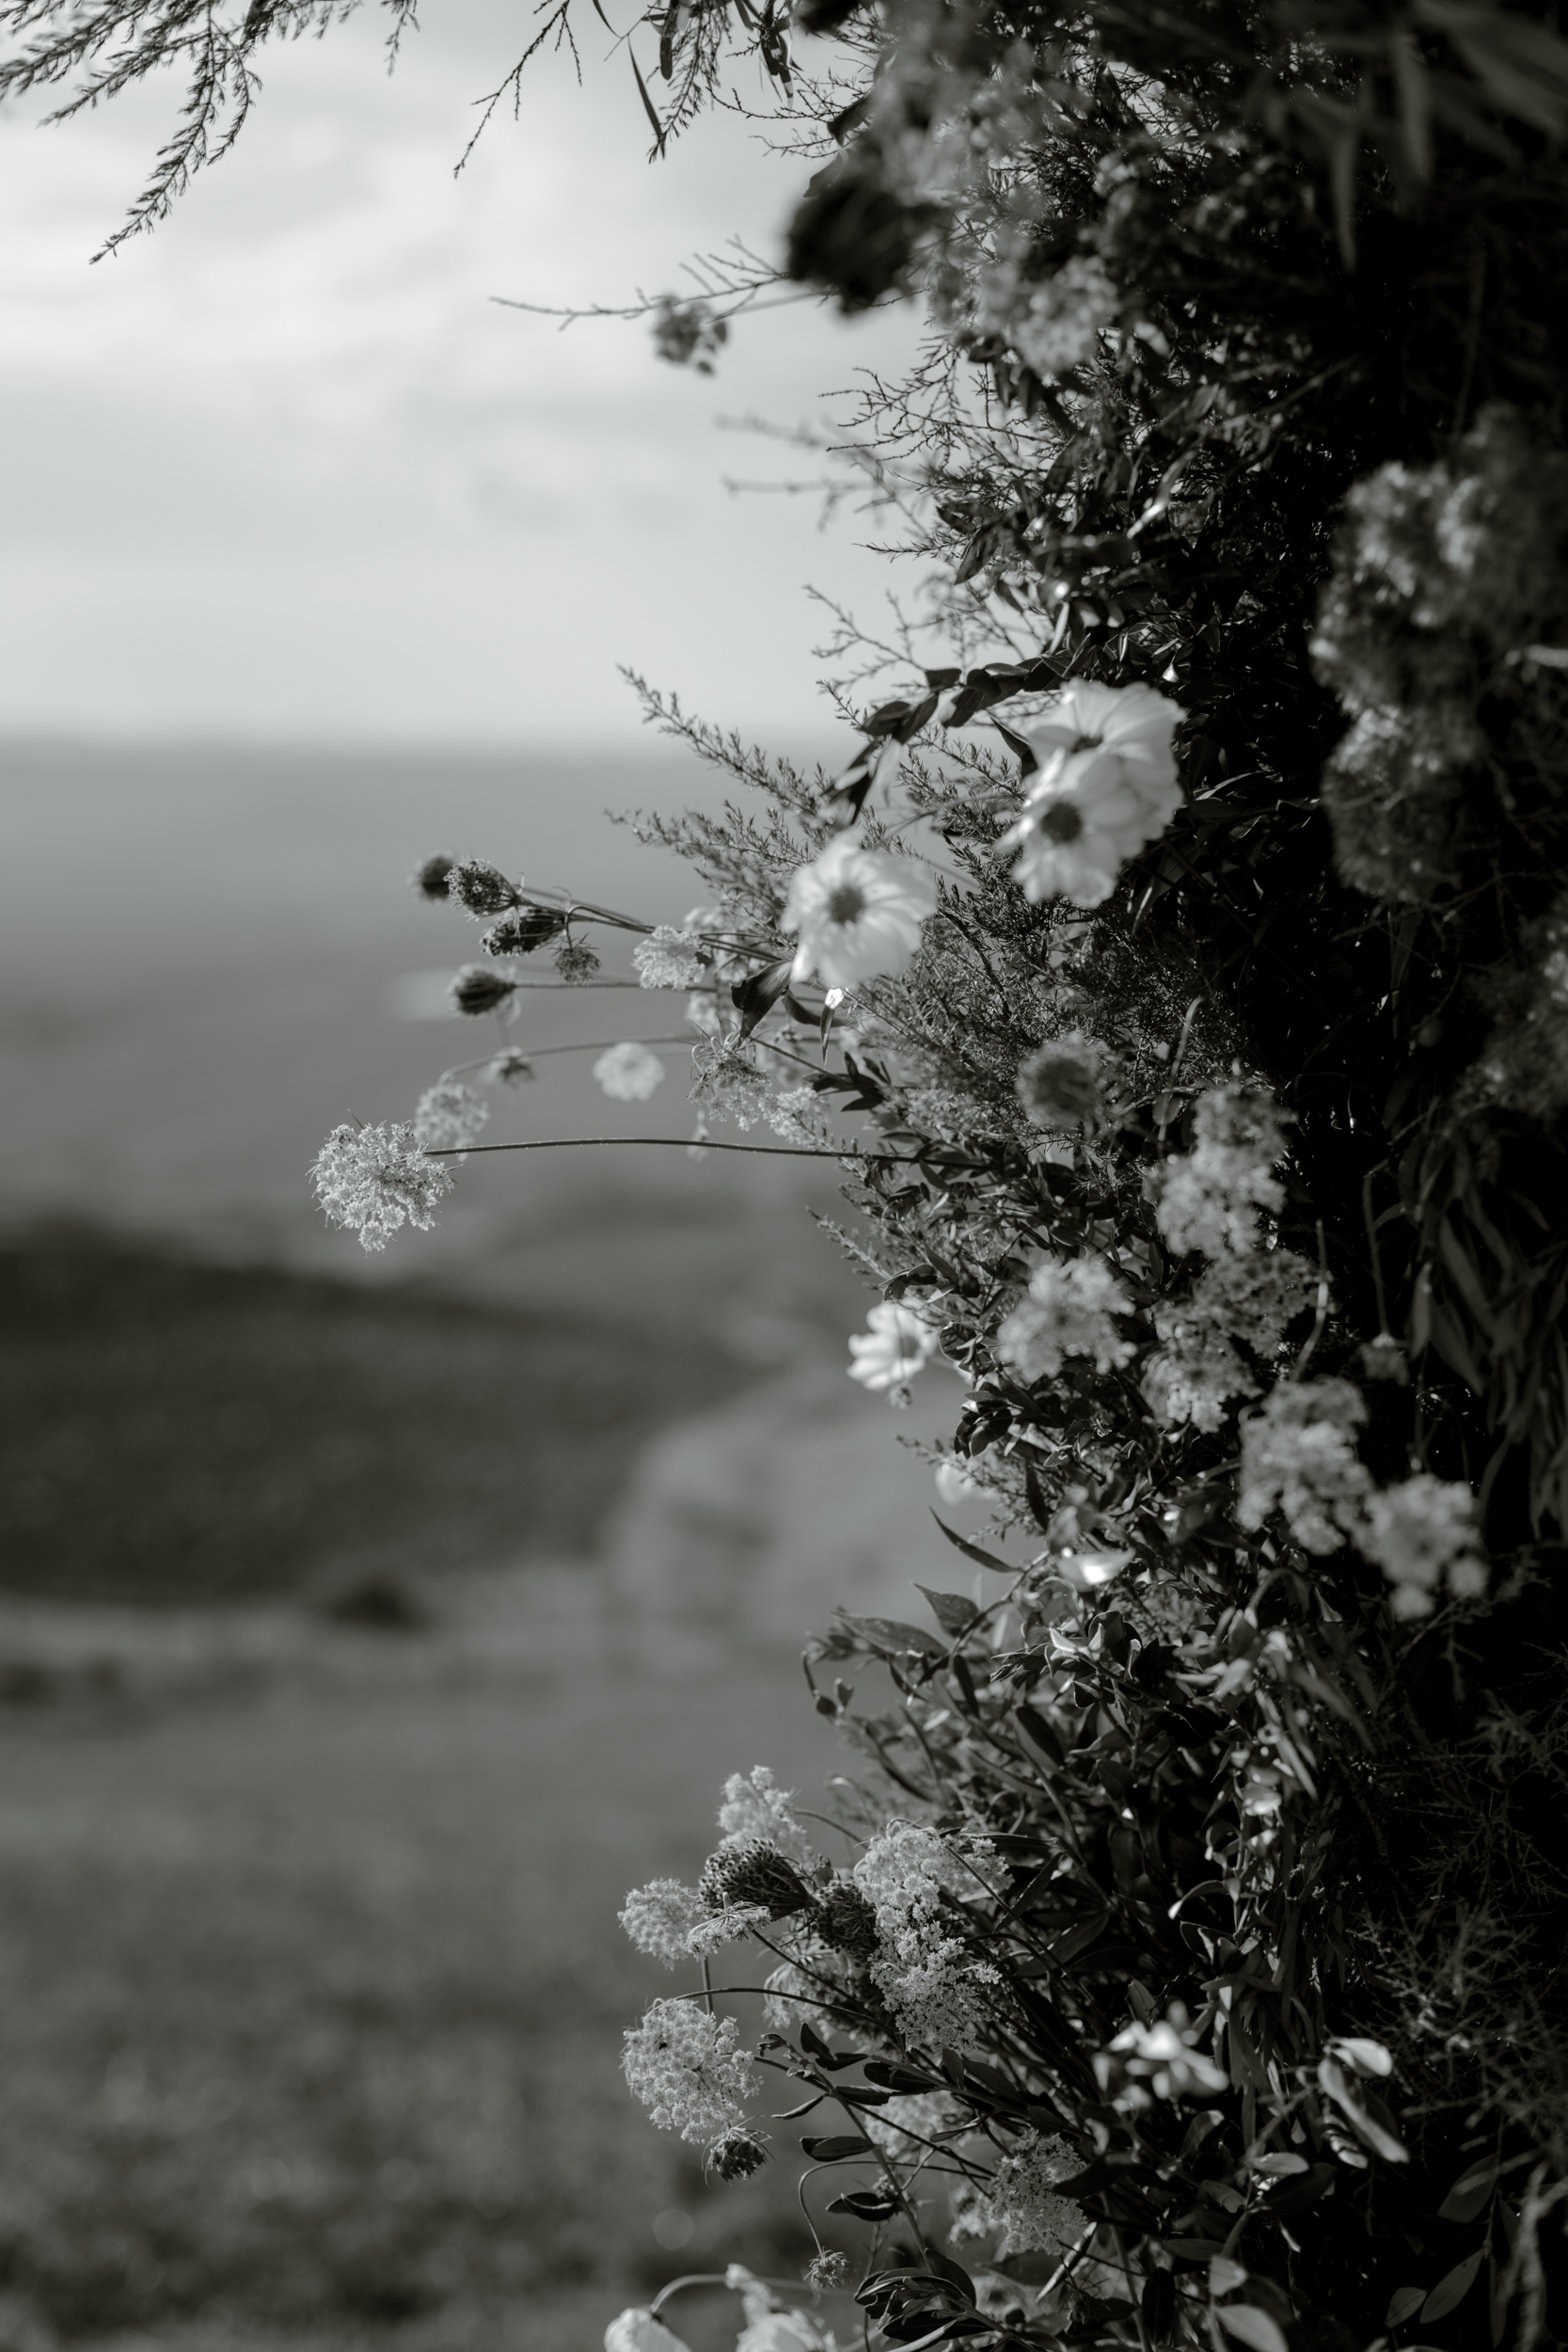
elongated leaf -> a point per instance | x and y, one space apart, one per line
1452 2287
952 1611
1469 2193
973 1551
1250 2326
838 2148
1402 2304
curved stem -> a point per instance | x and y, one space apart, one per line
673 1143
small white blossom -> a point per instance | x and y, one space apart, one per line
660 1917
1163 2055
1199 1371
755 1805
374 1179
449 1115
1209 1198
1299 1453
1423 1536
859 912
628 1073
1067 1313
901 2128
1106 787
509 1069
687 2069
668 958
898 1345
637 2330
1053 324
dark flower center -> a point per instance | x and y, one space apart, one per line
845 904
1085 743
1061 821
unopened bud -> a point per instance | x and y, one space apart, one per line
511 1069
430 879
478 989
1059 1087
520 934
737 2156
481 888
847 1921
576 963
753 1876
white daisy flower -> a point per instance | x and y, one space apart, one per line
893 1350
1106 787
859 912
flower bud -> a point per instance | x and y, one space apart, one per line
753 1875
477 989
481 888
737 2156
520 934
576 963
431 878
847 1921
1059 1085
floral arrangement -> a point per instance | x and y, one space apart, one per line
1178 968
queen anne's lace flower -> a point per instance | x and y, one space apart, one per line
1053 324
1210 1197
479 888
1021 2202
898 1345
1299 1453
755 1805
1106 787
1067 1313
668 958
690 2071
859 912
1423 1536
660 1917
942 1997
449 1117
374 1179
628 1073
1199 1371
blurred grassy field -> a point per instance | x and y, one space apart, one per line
310 1984
314 1989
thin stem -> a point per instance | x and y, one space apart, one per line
678 1143
590 1045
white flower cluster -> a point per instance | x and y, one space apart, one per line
1106 787
942 1997
1198 1371
669 958
1021 2201
1053 324
374 1179
1067 1311
1423 1536
449 1117
1298 1453
1210 1197
661 1917
628 1073
898 1344
924 2114
687 2069
858 913
755 1806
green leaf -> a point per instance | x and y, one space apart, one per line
889 1637
1469 2193
1402 2304
1452 2287
973 1551
1251 2327
952 1611
838 2148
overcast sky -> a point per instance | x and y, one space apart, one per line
283 469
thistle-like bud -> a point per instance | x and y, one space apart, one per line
753 1876
520 934
430 879
737 2156
481 888
476 988
847 1921
576 963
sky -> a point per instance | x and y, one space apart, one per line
284 471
